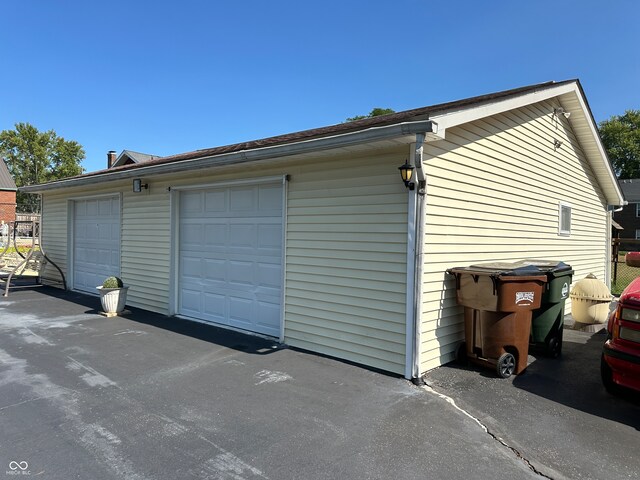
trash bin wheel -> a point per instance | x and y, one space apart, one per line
506 365
461 354
553 347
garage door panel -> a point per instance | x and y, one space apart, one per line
241 311
269 236
270 200
215 270
215 307
240 273
239 255
91 208
268 315
191 235
242 235
191 300
242 200
269 275
192 266
191 202
216 235
96 242
215 202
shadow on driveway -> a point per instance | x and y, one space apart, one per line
90 305
574 381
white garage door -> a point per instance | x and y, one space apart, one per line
96 242
230 256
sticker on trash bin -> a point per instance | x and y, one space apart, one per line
565 290
524 298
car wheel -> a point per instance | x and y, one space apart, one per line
607 377
506 365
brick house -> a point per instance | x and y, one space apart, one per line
7 194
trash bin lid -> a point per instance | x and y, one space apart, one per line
500 269
552 267
590 288
496 266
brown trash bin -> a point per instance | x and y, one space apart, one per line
498 309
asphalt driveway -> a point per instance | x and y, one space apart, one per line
149 397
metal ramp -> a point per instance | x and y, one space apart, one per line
23 258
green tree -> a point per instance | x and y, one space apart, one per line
37 157
621 138
373 113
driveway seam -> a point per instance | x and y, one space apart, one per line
486 430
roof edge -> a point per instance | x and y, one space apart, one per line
243 156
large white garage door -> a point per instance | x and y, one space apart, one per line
230 256
96 242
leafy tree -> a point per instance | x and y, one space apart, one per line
621 138
36 157
373 113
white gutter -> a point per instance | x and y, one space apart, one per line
296 148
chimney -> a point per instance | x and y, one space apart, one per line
111 158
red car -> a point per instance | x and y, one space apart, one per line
620 364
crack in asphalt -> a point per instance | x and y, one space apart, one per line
519 455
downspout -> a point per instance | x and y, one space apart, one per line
417 199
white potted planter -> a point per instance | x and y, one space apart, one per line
113 296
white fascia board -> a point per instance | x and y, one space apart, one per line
466 115
619 196
399 130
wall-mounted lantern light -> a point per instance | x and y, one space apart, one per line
138 186
406 172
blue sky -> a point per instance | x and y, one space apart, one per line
166 77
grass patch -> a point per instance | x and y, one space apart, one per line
22 249
624 277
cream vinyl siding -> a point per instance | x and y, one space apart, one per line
146 246
54 236
345 259
494 191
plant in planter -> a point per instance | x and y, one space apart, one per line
113 296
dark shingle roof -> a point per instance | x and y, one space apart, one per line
340 128
6 180
414 115
631 189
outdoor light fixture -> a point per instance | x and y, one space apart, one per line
556 144
138 186
406 172
560 111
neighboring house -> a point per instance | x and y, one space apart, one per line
8 191
312 237
629 217
127 157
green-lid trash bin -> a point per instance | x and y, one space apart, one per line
547 322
